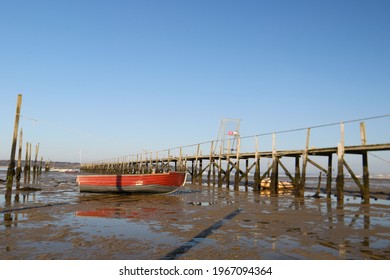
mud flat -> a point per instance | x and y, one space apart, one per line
196 222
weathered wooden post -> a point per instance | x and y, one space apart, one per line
257 168
26 164
211 163
82 167
141 164
317 194
195 171
185 164
35 168
213 159
274 184
40 167
237 165
297 178
220 167
157 168
304 165
228 166
181 159
200 174
150 163
11 167
340 168
169 160
329 177
366 174
29 163
19 168
246 174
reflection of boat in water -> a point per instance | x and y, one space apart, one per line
117 213
133 183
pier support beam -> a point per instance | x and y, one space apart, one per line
297 178
275 169
366 179
366 174
340 169
301 191
257 168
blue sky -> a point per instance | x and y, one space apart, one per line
112 78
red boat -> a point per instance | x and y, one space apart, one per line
134 183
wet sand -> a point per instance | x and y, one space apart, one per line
197 222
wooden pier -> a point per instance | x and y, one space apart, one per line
231 167
227 164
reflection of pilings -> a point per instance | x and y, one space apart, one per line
8 216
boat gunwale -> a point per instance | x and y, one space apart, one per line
113 175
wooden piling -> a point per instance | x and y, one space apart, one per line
317 194
195 171
329 177
11 167
237 165
297 178
35 168
169 160
181 160
40 167
214 165
200 173
304 165
47 166
220 167
363 136
257 168
211 163
29 164
227 174
366 174
275 172
246 173
26 163
19 168
340 168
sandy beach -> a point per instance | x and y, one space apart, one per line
196 222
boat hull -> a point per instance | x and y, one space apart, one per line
134 183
